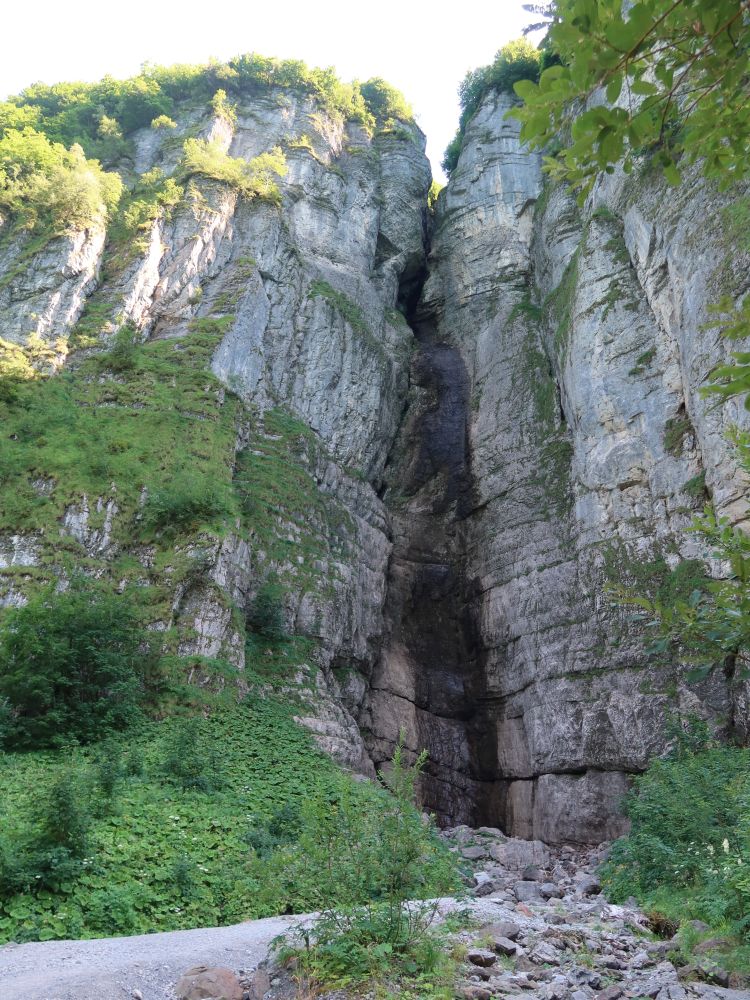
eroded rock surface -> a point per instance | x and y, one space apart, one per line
582 334
491 417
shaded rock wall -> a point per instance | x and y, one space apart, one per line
583 336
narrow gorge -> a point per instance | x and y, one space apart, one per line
441 436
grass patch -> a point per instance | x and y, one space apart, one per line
676 430
91 431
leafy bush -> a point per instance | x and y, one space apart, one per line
252 178
690 816
269 765
266 614
282 829
152 196
185 502
362 855
72 664
43 185
384 102
51 849
163 121
190 760
121 357
109 770
222 108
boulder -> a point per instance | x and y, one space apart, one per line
204 983
504 928
517 854
481 956
550 891
474 853
504 946
526 891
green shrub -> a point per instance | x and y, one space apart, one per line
109 770
63 817
360 862
51 848
222 108
43 185
251 178
153 195
690 815
121 357
185 502
163 121
384 102
189 760
266 614
283 828
72 664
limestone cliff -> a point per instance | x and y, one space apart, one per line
445 437
579 341
299 300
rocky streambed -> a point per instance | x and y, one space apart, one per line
534 923
538 925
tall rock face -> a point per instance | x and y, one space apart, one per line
578 338
441 441
291 305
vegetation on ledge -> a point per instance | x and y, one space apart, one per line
100 116
518 60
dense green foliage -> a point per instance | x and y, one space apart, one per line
710 626
384 102
121 876
518 60
688 853
45 185
151 195
164 827
676 75
72 665
266 615
370 862
252 178
101 115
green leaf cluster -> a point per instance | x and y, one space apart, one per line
710 627
690 815
251 178
73 664
667 77
371 856
45 185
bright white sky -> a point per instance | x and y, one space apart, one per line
422 48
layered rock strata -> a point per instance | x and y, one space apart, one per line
467 450
583 335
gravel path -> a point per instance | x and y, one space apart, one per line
111 968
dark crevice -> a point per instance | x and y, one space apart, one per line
426 680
